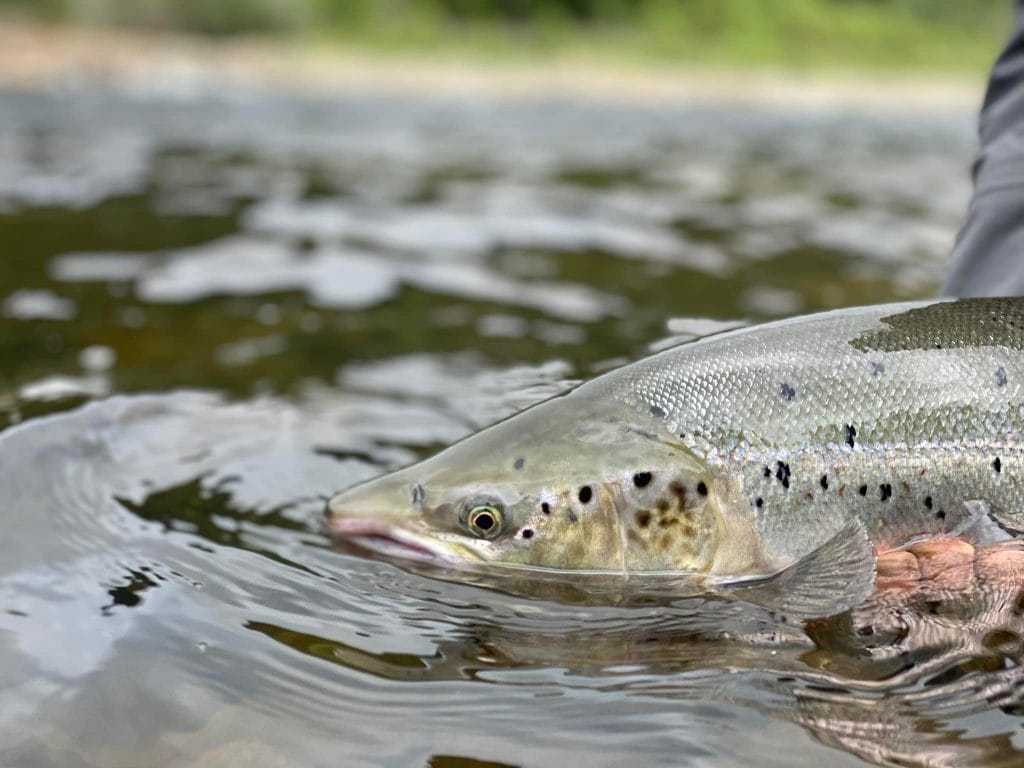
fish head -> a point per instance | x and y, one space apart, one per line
542 490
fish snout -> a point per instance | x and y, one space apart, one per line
385 517
381 499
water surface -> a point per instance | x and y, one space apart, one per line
216 310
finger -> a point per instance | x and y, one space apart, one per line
897 570
945 564
1001 565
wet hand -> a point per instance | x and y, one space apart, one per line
948 566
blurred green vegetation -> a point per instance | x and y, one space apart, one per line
927 34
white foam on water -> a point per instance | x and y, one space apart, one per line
43 304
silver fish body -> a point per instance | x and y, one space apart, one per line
896 415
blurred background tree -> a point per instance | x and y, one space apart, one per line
945 34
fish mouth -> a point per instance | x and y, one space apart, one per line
388 540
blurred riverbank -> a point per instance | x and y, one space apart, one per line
169 64
796 35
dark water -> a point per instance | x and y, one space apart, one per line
215 311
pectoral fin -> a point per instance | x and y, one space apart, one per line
834 578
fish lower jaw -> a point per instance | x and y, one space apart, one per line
383 539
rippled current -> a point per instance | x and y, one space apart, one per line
218 309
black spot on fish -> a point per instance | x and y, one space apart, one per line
702 489
527 533
586 494
863 490
1000 377
519 463
657 412
643 518
767 472
640 479
787 391
885 491
572 517
851 432
782 473
758 502
941 514
417 495
997 465
927 502
545 508
877 369
824 482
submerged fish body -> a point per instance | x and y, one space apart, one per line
777 458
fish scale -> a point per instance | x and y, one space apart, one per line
926 387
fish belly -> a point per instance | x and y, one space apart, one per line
901 493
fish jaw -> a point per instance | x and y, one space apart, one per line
384 517
390 539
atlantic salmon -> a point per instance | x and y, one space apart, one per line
771 462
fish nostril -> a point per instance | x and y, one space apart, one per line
417 495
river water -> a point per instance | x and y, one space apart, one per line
218 309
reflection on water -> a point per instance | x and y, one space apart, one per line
272 299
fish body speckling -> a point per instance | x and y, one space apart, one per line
894 414
794 449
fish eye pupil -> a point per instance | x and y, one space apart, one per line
484 520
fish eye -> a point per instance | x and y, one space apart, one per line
484 520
